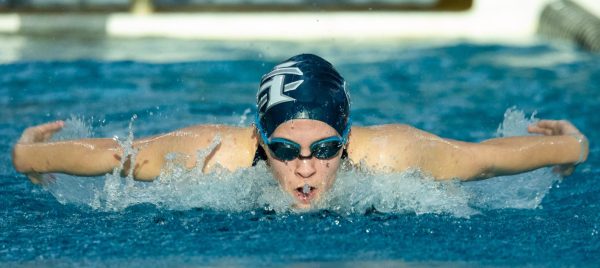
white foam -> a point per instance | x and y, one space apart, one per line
354 192
407 192
75 128
524 190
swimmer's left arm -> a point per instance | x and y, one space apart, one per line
401 147
562 146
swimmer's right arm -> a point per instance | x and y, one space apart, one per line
34 155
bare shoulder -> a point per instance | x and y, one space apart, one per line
234 146
400 147
202 135
385 129
214 128
381 135
386 147
230 147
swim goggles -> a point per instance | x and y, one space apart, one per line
287 150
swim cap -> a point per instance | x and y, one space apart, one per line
303 87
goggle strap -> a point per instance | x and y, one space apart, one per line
265 139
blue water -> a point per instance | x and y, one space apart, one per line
459 91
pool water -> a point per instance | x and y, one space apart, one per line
461 91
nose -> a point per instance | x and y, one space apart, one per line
306 167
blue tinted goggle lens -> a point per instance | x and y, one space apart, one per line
283 150
326 149
287 150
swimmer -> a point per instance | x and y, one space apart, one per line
303 130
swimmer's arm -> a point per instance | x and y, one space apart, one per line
225 146
447 159
85 157
33 155
562 146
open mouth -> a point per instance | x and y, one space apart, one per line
305 193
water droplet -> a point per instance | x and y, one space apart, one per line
306 188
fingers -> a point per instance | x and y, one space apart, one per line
35 178
545 127
564 170
41 179
51 128
553 127
548 126
48 179
41 133
538 130
548 123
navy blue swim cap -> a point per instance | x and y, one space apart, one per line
303 87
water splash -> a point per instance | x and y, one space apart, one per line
525 190
244 117
245 189
515 123
354 192
306 189
75 128
72 189
178 187
407 192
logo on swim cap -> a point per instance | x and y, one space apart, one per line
276 87
305 86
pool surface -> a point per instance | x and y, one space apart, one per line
460 91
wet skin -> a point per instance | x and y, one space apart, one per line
385 148
306 178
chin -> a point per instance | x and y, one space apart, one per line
298 207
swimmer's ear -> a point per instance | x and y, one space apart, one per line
257 136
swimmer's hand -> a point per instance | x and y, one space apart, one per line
36 134
558 128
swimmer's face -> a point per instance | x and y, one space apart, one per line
293 175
